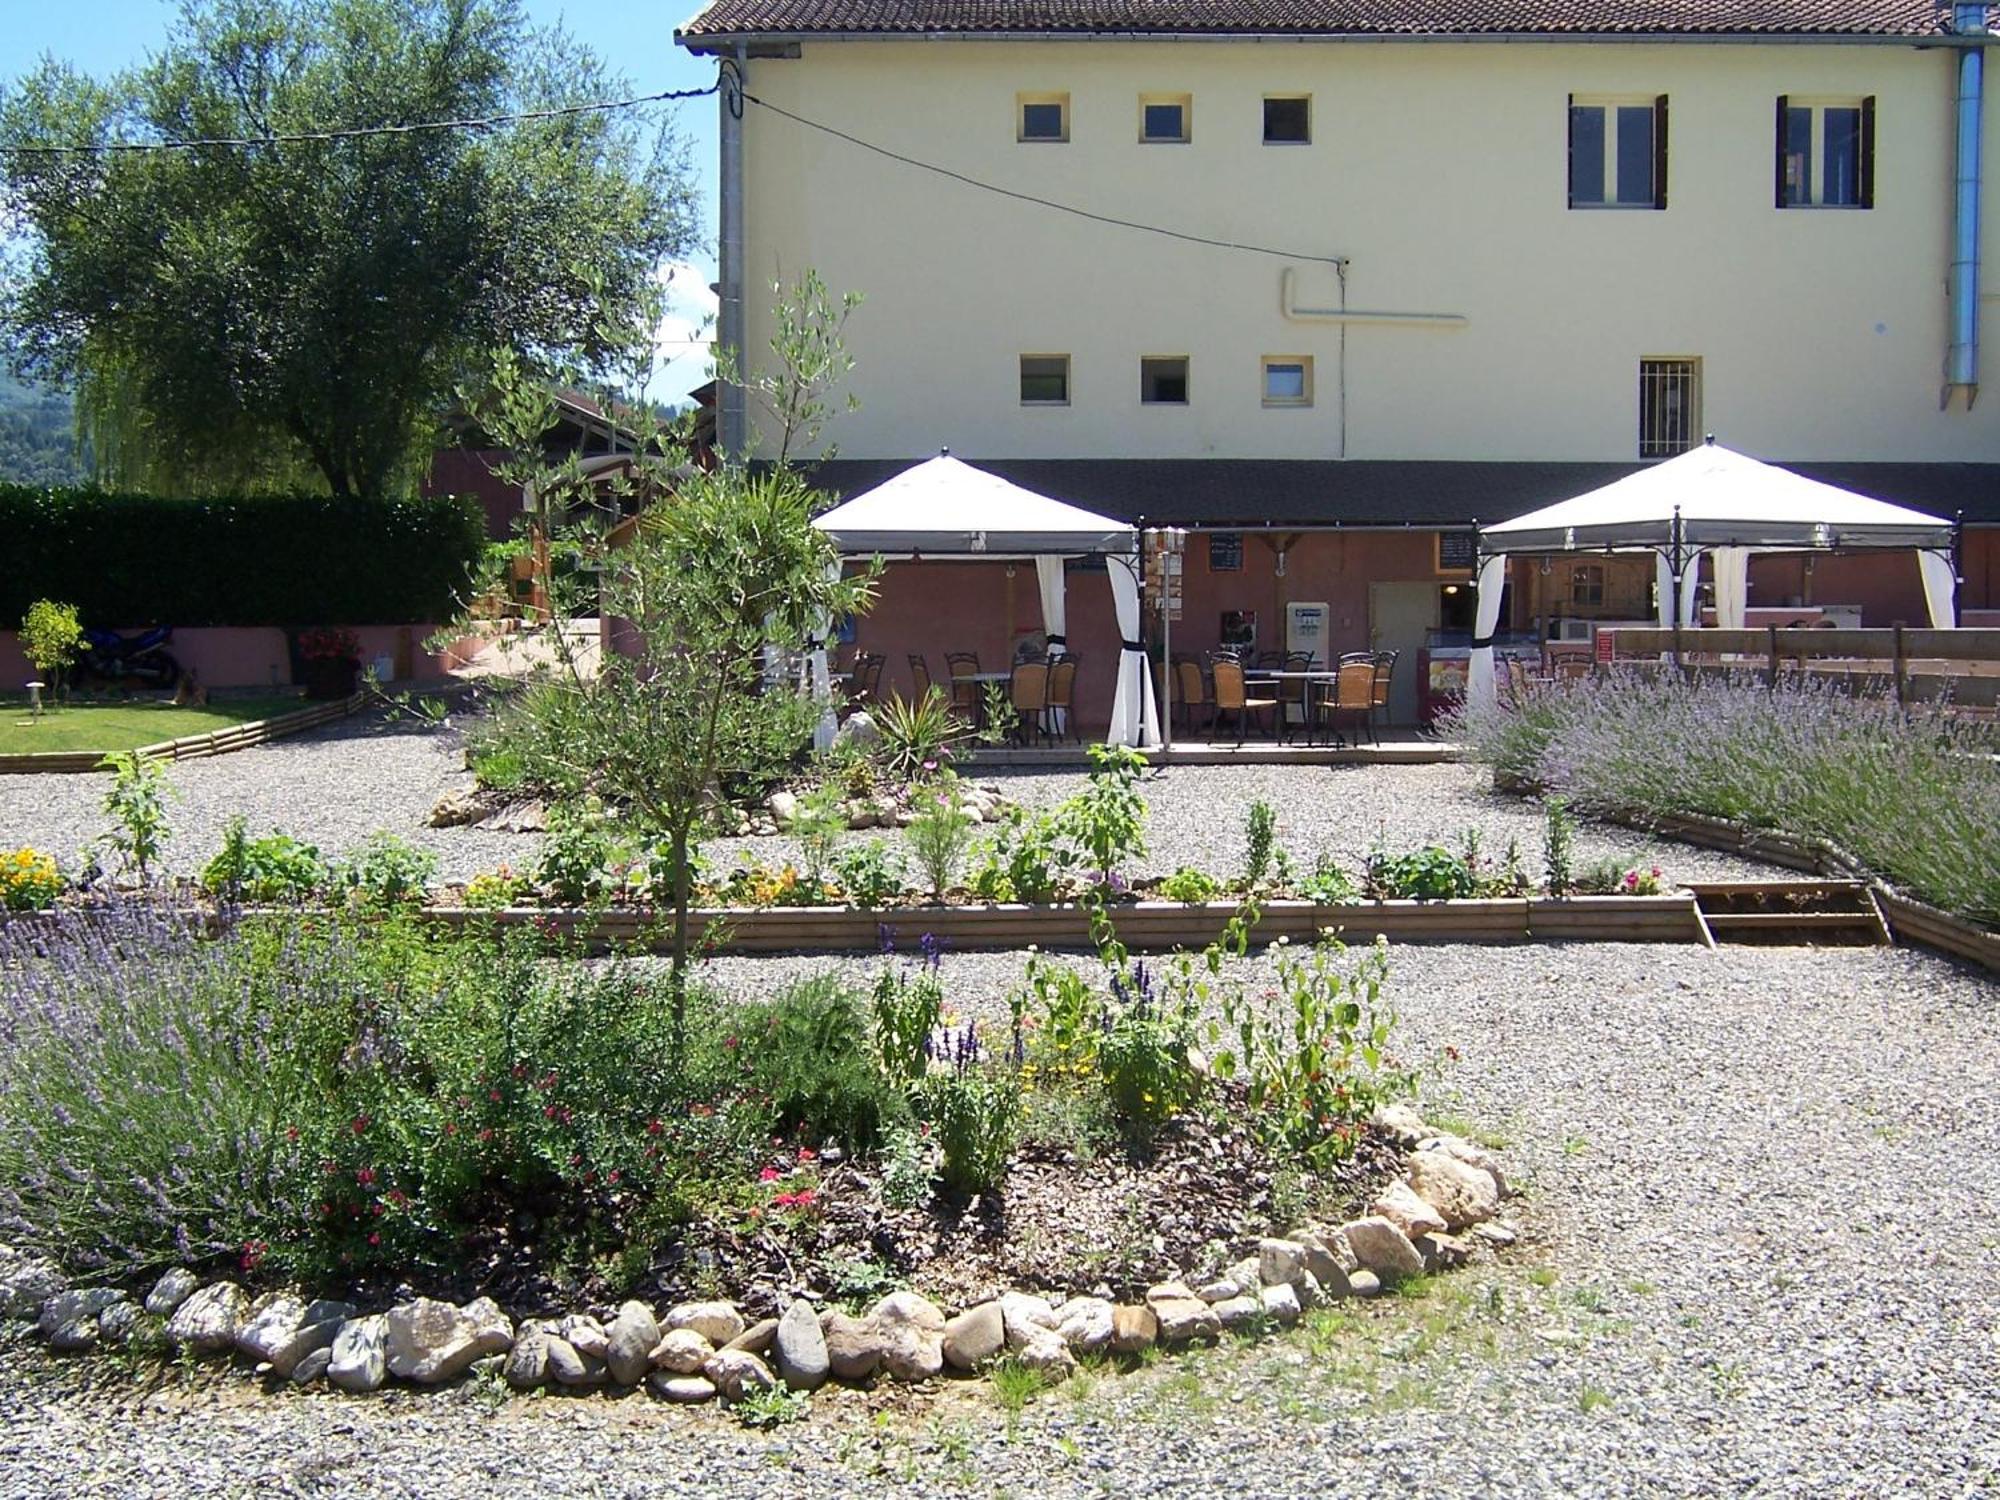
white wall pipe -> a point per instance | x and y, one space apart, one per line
1962 358
1299 314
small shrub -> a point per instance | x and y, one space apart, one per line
907 1166
137 803
940 832
816 822
1146 1056
1260 839
1031 860
1645 881
908 1003
496 889
1328 884
870 872
973 1113
773 1406
387 871
1106 821
1558 847
1322 1063
1190 886
29 880
808 1051
1432 873
576 859
50 633
916 737
1601 878
277 867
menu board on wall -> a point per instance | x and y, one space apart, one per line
1225 552
1457 551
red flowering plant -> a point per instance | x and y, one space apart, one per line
330 644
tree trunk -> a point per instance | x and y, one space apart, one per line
677 966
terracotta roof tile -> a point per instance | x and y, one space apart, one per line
1428 18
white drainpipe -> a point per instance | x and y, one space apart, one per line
732 429
1962 358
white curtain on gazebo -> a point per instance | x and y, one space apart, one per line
1690 583
1732 585
1049 579
1479 671
1135 719
1940 588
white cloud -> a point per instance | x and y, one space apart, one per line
686 332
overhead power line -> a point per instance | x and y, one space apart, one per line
1049 203
346 133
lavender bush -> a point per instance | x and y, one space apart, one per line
141 1109
1911 792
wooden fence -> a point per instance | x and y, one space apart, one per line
1900 654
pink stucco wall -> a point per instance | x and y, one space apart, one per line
238 656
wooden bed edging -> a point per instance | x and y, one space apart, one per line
192 746
1148 926
1914 922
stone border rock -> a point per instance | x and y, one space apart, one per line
1427 1221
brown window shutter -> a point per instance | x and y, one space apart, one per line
1868 152
1660 152
1784 122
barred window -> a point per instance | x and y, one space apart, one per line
1669 406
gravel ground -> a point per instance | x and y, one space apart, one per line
336 786
1758 1258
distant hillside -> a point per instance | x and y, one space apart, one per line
37 435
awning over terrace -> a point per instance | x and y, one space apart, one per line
945 509
1715 500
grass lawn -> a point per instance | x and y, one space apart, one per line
126 726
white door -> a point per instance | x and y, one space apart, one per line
1399 614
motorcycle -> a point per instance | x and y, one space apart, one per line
141 658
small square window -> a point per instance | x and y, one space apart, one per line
1041 117
1287 119
1288 380
1163 380
1045 380
1166 119
1586 583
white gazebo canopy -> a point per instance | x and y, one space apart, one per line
1715 500
944 508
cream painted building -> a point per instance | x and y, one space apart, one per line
1369 262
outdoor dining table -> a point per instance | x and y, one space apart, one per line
1315 679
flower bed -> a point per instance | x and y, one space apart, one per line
345 1106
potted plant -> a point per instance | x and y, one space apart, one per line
330 662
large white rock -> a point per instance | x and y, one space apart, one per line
171 1290
80 1306
1085 1324
1473 1155
1184 1318
1021 1315
27 1281
737 1373
1279 1262
286 1330
1382 1248
718 1322
1463 1195
974 1336
912 1333
1402 1206
430 1342
360 1354
1281 1304
1400 1123
682 1351
208 1319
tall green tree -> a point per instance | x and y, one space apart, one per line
247 314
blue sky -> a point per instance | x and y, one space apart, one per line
101 36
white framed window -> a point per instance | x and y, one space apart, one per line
1288 119
1826 153
1287 379
1041 117
1166 119
1045 380
1617 152
1669 405
1163 380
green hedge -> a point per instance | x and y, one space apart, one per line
129 560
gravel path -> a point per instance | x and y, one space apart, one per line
336 786
1759 1258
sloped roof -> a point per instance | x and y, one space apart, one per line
945 506
1414 18
1721 498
